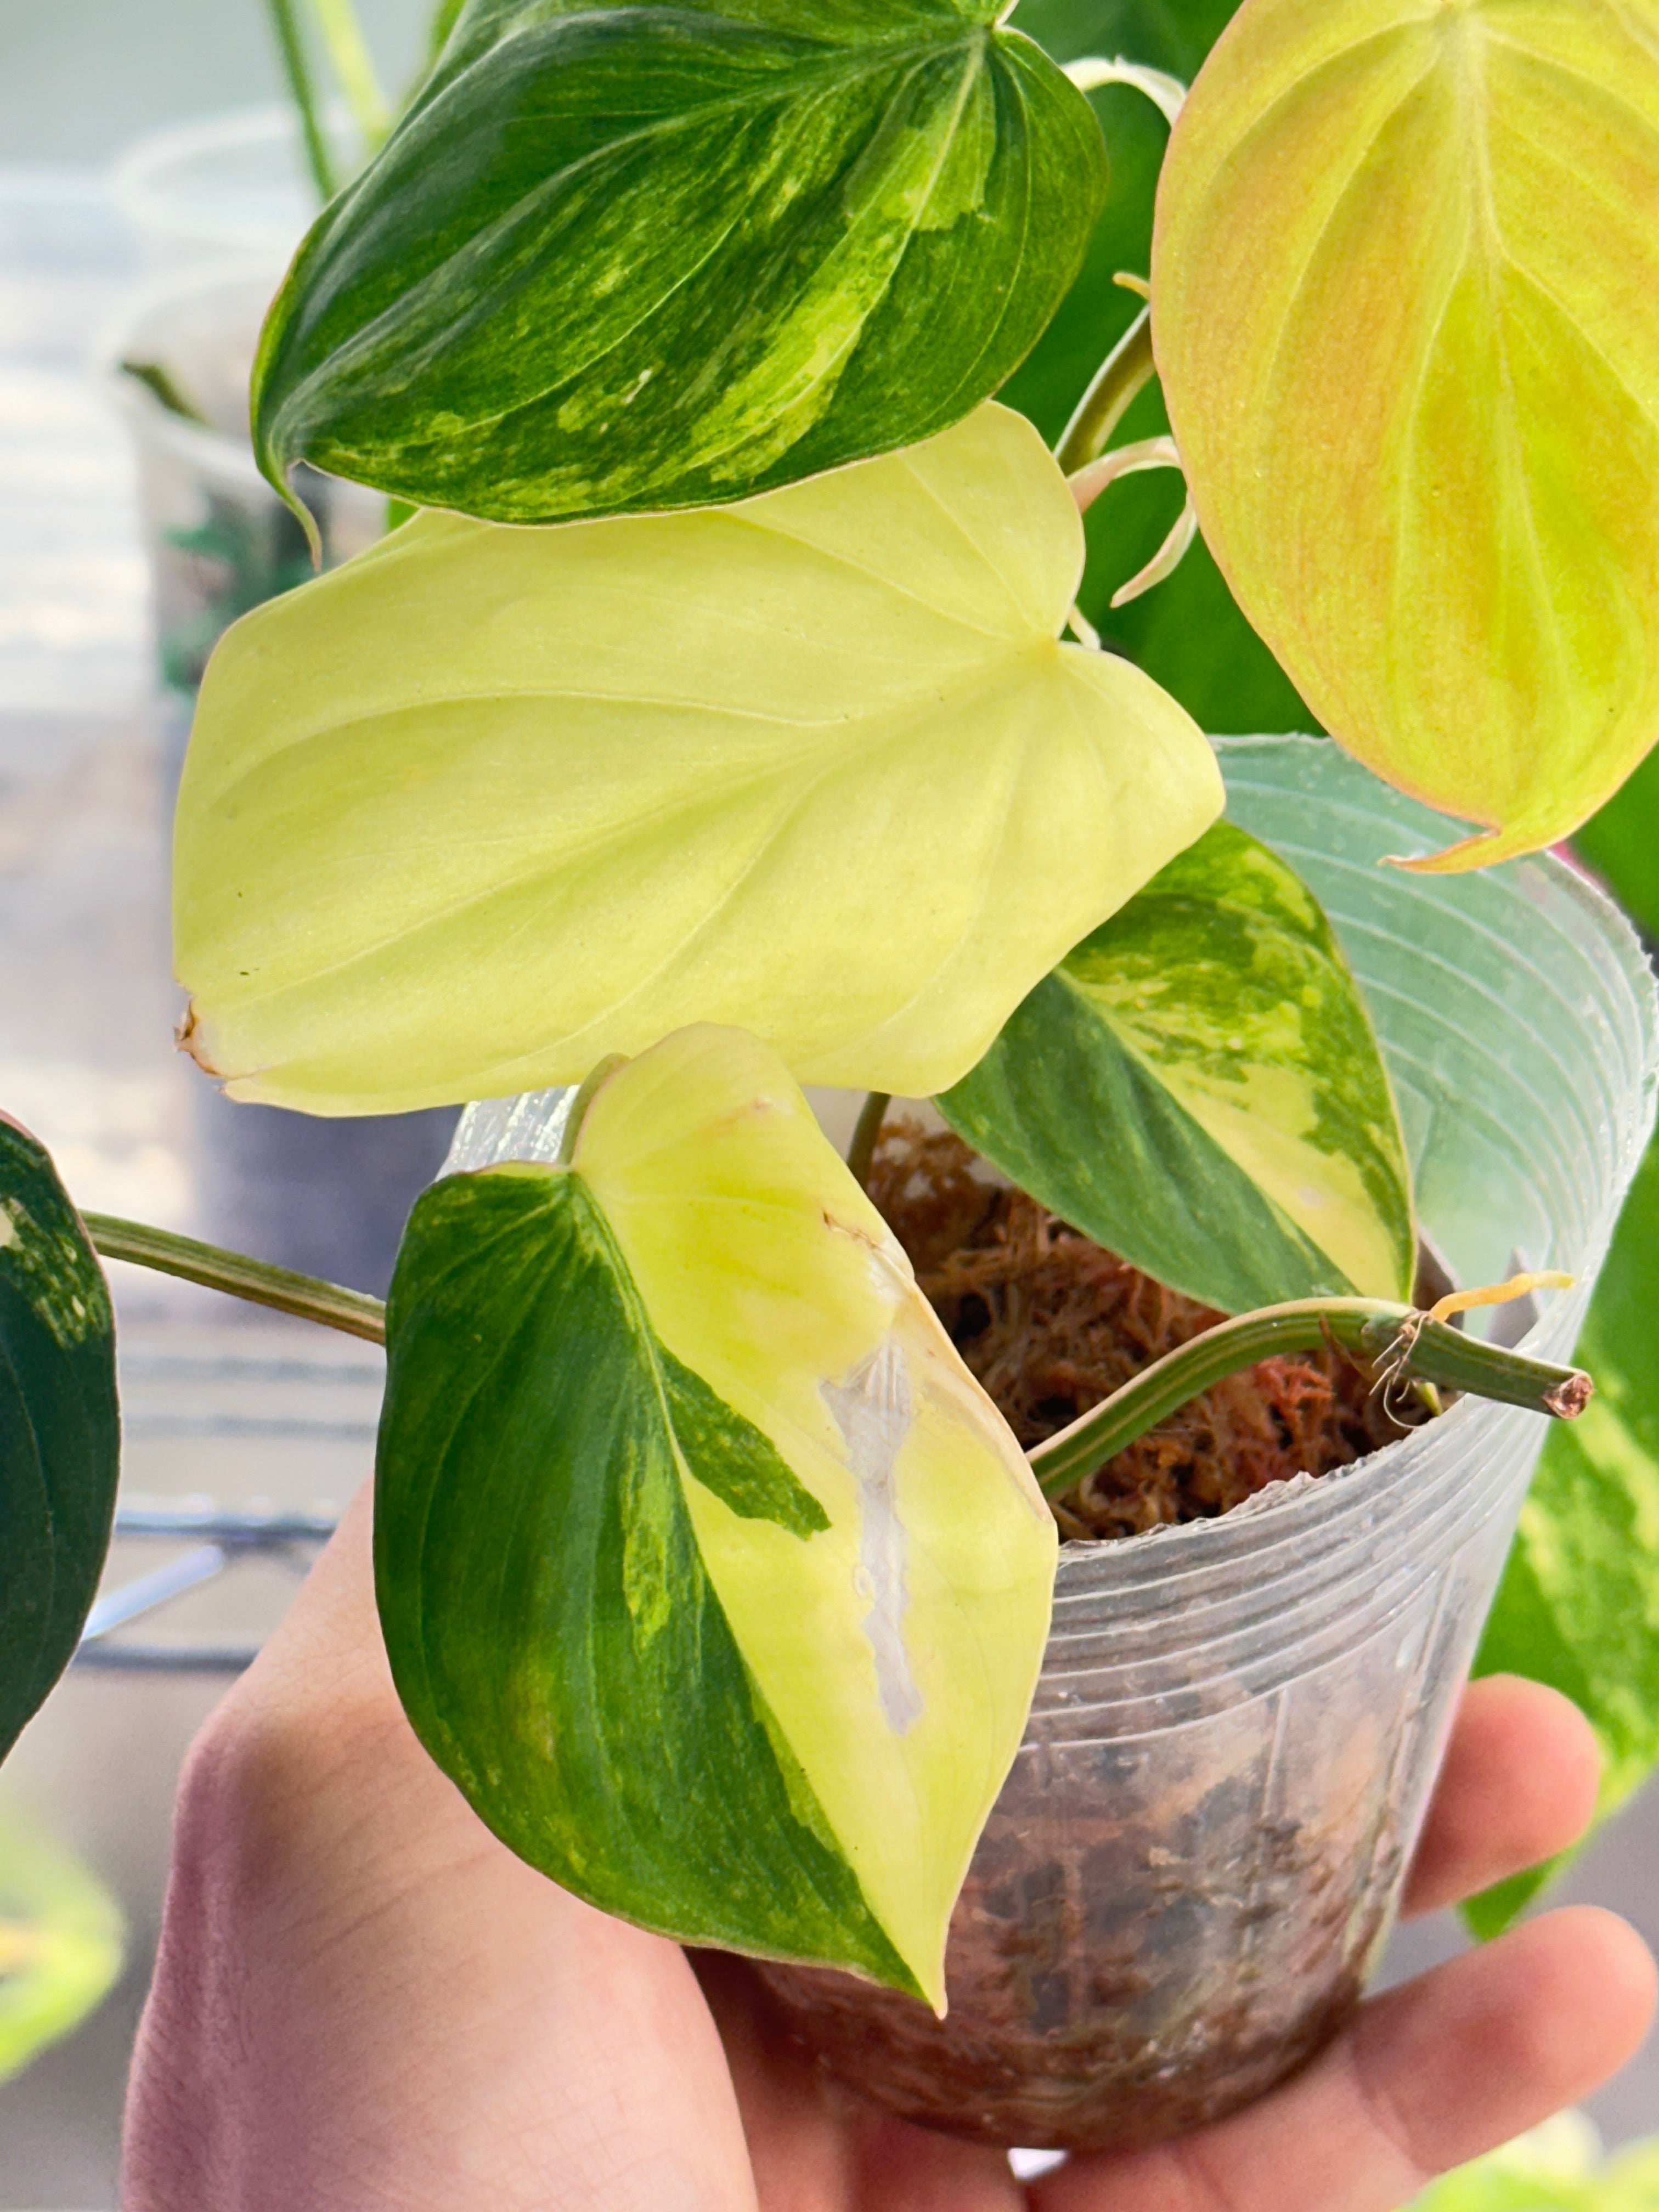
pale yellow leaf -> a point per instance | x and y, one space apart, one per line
488 803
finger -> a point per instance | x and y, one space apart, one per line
364 2000
1429 2076
1518 1784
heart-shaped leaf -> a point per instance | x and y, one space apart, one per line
1198 1087
654 256
1408 323
706 1569
484 806
62 1944
60 1437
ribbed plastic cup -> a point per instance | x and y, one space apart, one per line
1196 1862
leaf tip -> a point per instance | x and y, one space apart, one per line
1484 848
277 468
187 1038
928 1984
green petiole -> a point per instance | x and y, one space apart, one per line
354 68
1411 1344
1121 377
256 1280
866 1133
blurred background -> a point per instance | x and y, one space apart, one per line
81 78
133 527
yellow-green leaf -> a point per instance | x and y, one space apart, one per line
62 1944
706 1569
486 804
1406 316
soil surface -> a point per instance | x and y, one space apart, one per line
1051 1324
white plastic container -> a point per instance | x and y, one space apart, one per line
218 538
327 1197
226 188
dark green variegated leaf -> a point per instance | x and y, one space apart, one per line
706 1569
1578 1607
653 257
1198 1087
59 1431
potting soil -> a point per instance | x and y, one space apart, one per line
1051 1324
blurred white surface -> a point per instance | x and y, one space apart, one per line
83 77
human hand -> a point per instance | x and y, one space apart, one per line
364 2003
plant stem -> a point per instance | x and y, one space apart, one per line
296 67
262 1285
866 1132
354 68
1125 373
1371 1329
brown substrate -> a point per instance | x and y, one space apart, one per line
1051 1324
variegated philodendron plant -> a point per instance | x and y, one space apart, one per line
733 716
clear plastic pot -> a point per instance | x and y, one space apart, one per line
1195 1864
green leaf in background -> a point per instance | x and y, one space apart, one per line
1171 35
1198 1087
60 1437
706 1569
656 256
1578 1607
1621 843
1188 634
484 806
62 1946
1556 2168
